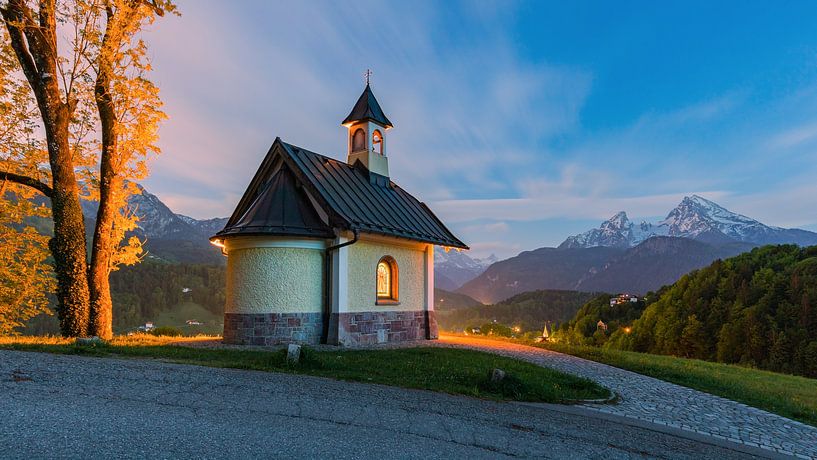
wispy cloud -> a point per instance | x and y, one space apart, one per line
792 137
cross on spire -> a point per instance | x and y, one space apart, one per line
367 75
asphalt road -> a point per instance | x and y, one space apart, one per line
54 406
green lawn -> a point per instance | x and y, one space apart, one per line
787 395
439 369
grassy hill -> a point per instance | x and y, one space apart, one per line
447 301
179 315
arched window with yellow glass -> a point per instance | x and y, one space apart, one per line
387 281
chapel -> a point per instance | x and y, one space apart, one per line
327 251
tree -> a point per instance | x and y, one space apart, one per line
128 105
103 68
693 339
33 39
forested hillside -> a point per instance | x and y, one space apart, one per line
584 328
142 292
757 309
153 291
529 311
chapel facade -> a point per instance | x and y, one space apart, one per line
325 251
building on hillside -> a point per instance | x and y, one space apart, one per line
622 299
325 251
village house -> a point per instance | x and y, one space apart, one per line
623 299
325 251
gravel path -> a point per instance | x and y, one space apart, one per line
652 400
56 406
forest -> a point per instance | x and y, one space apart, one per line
583 329
143 292
756 309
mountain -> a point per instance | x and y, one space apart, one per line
454 268
695 218
617 232
168 236
448 301
656 262
207 227
544 268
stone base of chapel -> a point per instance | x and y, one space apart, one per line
272 328
374 327
345 329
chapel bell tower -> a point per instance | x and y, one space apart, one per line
367 125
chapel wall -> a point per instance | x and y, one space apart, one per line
364 321
363 259
274 295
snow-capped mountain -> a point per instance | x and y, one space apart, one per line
158 221
206 226
696 218
617 232
454 268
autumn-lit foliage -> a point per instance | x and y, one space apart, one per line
25 277
80 118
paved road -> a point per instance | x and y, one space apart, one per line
56 406
652 400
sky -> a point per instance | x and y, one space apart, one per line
518 123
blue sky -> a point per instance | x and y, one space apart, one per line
518 123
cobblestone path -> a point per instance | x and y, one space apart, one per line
649 399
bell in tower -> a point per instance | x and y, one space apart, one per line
367 125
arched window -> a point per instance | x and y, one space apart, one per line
358 140
387 280
377 141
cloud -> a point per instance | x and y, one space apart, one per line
793 137
562 207
466 106
493 139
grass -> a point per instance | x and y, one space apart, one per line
446 370
787 395
177 317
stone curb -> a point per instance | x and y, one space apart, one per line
614 398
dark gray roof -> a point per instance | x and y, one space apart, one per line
279 207
367 108
351 197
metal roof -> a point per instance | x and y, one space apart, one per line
367 108
279 207
351 197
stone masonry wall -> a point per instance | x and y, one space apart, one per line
272 328
373 327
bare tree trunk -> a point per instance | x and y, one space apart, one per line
34 43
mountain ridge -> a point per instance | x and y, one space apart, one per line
696 218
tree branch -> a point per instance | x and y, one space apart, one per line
27 181
15 24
